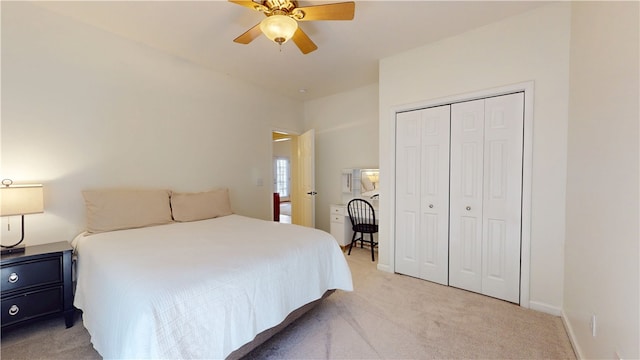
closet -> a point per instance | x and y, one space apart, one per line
459 194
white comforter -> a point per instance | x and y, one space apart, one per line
200 289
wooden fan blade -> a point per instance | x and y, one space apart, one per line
250 5
303 42
249 35
338 11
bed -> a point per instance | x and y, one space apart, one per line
207 288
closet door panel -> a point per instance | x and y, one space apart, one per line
466 182
408 129
422 187
502 201
434 189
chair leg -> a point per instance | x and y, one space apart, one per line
372 256
353 238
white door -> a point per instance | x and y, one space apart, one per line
422 193
465 234
502 203
407 193
306 155
485 200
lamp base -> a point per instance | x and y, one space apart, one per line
13 250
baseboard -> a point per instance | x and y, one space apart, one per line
572 336
545 308
385 268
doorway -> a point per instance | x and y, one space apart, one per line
300 151
282 181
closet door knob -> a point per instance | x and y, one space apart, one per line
468 208
430 206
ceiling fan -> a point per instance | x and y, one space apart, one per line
282 19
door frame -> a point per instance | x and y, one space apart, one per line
527 166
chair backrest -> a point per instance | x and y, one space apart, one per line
361 212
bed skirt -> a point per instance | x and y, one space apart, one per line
267 334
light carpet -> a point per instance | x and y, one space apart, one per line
388 316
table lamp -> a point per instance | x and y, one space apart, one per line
19 200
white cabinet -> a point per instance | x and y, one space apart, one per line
340 226
459 194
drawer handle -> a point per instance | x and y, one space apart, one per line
13 278
13 310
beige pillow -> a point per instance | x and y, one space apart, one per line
200 206
116 209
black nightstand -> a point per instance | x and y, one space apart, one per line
37 284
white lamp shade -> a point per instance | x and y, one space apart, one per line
21 199
279 28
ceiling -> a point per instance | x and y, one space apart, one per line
348 51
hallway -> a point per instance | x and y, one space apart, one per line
285 212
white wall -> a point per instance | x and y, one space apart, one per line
602 249
531 46
346 126
83 108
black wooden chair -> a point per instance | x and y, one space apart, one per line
363 221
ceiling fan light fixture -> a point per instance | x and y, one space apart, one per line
279 28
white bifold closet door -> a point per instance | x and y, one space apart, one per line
422 193
458 194
486 196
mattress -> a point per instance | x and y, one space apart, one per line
199 289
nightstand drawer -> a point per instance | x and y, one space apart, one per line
32 304
34 273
